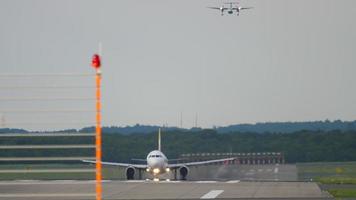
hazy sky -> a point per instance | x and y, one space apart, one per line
284 60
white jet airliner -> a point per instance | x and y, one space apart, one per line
157 164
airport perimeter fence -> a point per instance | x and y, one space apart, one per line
40 120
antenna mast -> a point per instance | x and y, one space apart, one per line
159 139
181 120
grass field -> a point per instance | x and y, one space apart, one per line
336 180
343 193
331 173
327 172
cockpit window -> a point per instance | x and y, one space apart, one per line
154 156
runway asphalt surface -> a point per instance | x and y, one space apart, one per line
275 183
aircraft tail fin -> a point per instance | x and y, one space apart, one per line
159 139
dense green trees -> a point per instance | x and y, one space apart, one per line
302 146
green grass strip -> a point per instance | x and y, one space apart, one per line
343 193
336 180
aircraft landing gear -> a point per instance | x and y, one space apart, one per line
175 174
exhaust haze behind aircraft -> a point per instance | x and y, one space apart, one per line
157 164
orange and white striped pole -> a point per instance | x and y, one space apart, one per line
98 153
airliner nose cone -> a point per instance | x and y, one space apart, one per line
155 163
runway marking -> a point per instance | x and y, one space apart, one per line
260 170
212 194
269 170
170 181
233 181
27 181
205 181
276 170
26 195
137 181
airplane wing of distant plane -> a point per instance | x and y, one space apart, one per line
217 8
138 166
246 8
199 163
173 166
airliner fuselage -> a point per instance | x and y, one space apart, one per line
157 163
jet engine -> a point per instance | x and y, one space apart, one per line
130 173
183 172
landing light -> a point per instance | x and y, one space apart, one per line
167 169
147 169
156 170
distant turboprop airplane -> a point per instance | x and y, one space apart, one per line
157 163
231 8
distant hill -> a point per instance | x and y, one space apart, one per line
268 127
12 130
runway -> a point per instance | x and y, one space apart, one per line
234 189
215 181
70 189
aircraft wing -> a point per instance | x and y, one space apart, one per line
217 8
245 8
139 159
199 163
138 166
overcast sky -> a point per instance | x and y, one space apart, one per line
281 61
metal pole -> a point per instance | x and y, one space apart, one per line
98 136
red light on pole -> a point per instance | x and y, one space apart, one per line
95 62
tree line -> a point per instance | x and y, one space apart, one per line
300 146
